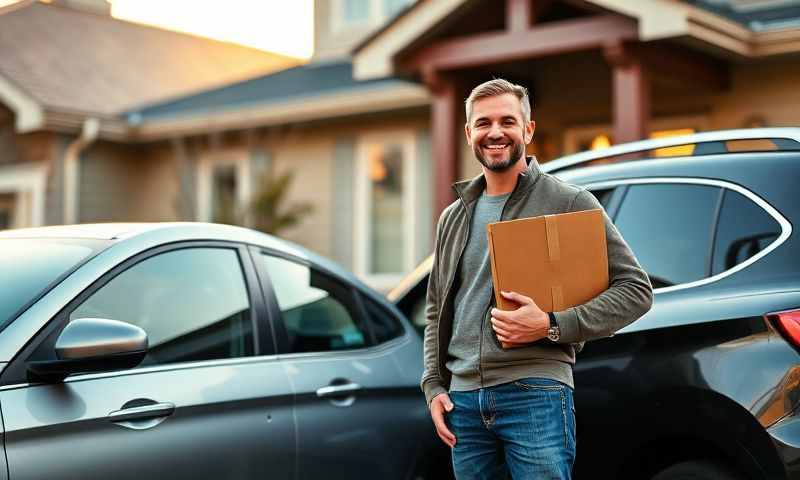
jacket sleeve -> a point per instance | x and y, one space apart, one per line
628 297
432 383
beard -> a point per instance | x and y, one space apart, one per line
516 151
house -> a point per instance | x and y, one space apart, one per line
67 72
372 128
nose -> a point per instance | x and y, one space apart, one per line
495 132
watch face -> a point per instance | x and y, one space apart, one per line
553 334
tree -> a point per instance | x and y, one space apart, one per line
267 207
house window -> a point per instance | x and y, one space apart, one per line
595 137
355 11
385 206
224 187
6 210
223 194
393 7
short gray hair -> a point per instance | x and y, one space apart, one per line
496 87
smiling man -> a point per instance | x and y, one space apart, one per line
511 410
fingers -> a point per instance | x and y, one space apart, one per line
439 405
505 315
517 297
500 328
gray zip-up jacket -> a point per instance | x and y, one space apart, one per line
628 297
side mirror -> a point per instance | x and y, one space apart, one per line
92 345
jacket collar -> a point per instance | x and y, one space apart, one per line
470 190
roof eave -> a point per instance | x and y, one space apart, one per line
305 109
657 20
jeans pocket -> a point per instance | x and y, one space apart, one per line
538 385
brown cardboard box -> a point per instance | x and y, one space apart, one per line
557 260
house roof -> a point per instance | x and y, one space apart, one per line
297 83
757 16
304 93
729 27
84 63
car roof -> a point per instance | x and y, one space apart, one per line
735 167
169 232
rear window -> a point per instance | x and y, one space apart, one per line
29 267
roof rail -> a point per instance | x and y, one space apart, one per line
786 139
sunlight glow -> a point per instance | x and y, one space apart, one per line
279 26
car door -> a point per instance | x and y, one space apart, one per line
209 400
352 402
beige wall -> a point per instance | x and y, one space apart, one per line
127 183
767 90
309 152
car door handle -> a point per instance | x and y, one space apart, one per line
144 412
338 390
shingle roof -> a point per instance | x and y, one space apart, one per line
306 81
755 15
88 63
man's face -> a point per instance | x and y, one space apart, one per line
497 131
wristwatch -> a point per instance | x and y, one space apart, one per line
553 333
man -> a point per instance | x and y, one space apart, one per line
510 410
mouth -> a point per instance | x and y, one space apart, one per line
498 147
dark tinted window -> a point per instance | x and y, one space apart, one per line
318 312
384 325
603 196
668 227
192 303
744 230
29 266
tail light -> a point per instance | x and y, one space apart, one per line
788 323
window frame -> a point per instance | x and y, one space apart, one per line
279 331
239 159
16 372
786 227
361 238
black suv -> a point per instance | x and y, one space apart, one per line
706 384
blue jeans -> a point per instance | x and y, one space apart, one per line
524 428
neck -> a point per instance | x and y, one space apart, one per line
499 183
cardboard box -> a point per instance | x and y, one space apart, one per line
559 261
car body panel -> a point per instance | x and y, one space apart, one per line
225 414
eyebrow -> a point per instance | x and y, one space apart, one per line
505 117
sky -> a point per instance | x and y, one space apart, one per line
281 26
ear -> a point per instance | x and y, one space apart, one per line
468 134
529 129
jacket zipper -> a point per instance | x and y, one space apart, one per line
483 320
450 285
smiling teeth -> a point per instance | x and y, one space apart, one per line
496 147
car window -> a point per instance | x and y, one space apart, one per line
668 226
317 311
744 229
192 303
30 266
383 323
603 196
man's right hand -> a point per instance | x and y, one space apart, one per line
440 405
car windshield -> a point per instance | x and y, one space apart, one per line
30 266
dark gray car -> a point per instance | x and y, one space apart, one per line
134 351
706 385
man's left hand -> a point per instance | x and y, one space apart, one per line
526 324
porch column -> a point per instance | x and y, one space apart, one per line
630 93
445 135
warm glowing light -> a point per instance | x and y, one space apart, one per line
600 141
279 26
678 151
